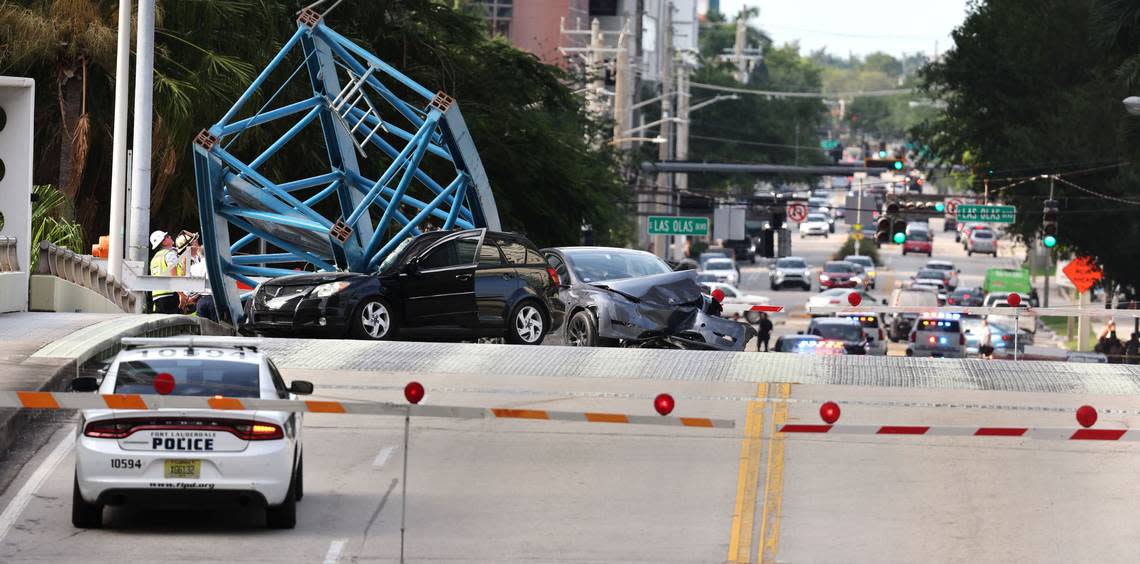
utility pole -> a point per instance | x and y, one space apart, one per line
119 143
665 76
140 176
595 60
622 122
681 181
738 50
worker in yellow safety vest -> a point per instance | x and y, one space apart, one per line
164 263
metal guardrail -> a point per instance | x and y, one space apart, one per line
87 272
9 259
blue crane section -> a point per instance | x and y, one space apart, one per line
400 161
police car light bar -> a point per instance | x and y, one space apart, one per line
192 341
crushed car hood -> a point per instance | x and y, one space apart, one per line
669 289
666 310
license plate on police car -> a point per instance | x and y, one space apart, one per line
187 469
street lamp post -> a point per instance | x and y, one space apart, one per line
1132 105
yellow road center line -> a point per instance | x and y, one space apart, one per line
744 513
774 481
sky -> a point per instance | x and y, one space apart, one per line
844 26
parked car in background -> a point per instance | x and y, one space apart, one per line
808 344
1001 299
844 329
736 301
901 323
966 297
937 335
839 274
839 297
981 241
868 266
710 254
918 242
872 330
789 271
624 297
446 284
724 269
815 224
948 271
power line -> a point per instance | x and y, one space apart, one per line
780 94
757 143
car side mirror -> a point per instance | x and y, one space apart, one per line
301 387
84 384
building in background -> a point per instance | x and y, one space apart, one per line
533 25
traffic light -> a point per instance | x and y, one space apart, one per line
890 164
892 208
883 230
940 207
898 230
1049 223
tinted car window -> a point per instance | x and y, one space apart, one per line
919 236
862 261
933 274
983 235
453 253
790 263
489 254
838 267
841 332
719 264
192 377
514 251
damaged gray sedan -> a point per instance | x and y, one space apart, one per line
623 297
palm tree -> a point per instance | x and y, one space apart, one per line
70 36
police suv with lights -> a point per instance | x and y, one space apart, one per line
190 457
937 335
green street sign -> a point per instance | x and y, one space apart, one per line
985 214
669 225
828 144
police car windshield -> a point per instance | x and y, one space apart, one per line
191 377
841 332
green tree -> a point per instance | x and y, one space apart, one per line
1018 112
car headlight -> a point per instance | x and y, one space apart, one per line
326 290
856 280
871 274
823 277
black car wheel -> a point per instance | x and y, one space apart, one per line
527 325
284 516
84 515
373 320
582 330
299 491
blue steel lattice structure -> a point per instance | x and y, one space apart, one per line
357 109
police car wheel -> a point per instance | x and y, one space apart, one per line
284 516
299 486
84 515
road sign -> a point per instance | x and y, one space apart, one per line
1083 273
952 207
797 212
857 227
669 225
985 214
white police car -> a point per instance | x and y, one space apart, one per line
937 335
190 457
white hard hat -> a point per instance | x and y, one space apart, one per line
156 238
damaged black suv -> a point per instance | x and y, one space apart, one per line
623 297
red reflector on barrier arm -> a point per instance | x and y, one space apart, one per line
1098 434
768 308
902 430
1000 432
803 428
